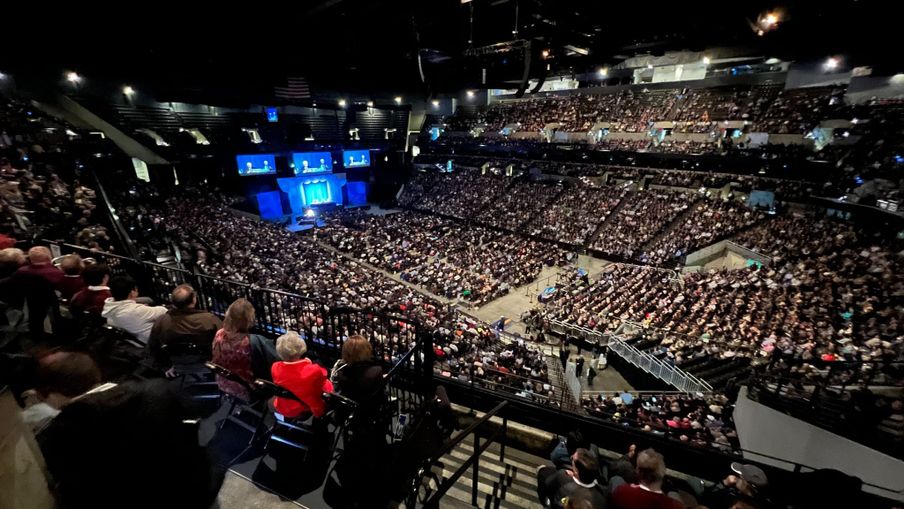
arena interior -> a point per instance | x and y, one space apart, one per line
450 254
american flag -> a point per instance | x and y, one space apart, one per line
297 88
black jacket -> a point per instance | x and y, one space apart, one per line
129 446
359 381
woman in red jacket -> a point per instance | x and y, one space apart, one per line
299 375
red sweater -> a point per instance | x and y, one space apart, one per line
89 301
306 380
629 496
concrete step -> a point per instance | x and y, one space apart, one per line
459 494
491 460
513 456
512 481
522 484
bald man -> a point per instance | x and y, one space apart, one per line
182 324
39 265
35 284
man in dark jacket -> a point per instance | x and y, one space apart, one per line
182 325
579 483
134 445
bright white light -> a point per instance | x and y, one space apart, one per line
546 53
706 60
435 103
831 63
342 103
2 76
603 72
309 213
770 19
649 66
370 104
398 99
470 94
127 90
73 77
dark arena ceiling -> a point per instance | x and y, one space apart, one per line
239 51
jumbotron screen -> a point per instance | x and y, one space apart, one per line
356 158
257 164
306 163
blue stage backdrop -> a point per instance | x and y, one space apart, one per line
316 192
312 190
269 206
357 193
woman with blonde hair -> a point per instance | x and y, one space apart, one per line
236 349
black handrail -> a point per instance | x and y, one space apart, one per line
114 219
472 462
799 467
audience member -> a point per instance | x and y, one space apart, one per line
647 493
72 282
579 483
747 482
246 355
91 299
123 311
182 325
61 377
133 445
357 375
298 374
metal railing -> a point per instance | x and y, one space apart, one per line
432 499
837 396
324 328
591 335
671 375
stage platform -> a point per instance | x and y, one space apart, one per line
294 228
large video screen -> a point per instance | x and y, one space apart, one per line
259 164
306 163
356 158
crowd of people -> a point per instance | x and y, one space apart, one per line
827 294
766 107
446 258
574 216
471 351
704 421
704 224
642 216
459 197
42 183
577 213
520 203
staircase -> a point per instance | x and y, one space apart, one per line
557 380
501 484
621 204
679 219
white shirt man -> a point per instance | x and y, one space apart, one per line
124 312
